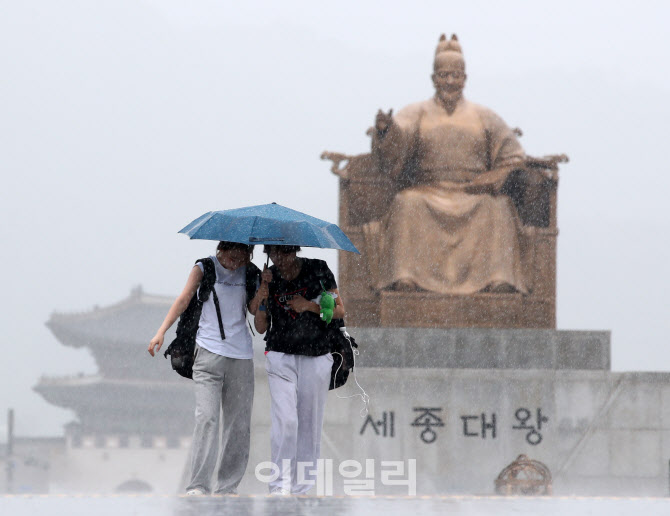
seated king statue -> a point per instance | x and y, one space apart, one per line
449 229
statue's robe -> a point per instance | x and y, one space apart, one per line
435 234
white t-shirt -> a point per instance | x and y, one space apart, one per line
231 290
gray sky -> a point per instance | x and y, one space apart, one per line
122 120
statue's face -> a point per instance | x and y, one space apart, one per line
449 76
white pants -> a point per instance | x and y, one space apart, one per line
298 388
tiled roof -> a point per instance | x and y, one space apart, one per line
132 321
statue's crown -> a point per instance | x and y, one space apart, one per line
448 45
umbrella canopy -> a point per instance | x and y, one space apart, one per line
270 224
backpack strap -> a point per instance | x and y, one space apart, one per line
208 279
218 314
207 286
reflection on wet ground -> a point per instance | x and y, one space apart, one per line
38 505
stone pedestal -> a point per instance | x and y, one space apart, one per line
466 402
480 348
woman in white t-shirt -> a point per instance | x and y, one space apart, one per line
223 370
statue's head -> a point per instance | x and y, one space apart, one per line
449 69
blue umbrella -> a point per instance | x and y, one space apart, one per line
270 224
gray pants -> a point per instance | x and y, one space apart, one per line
228 384
298 388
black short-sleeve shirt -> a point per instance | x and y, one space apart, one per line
298 333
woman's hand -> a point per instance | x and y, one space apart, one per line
263 291
300 304
261 316
266 275
156 343
266 278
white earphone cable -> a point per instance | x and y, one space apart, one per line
364 395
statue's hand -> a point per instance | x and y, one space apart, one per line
480 189
383 121
490 182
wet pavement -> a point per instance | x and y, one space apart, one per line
150 505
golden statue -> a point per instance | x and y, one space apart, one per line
461 200
451 231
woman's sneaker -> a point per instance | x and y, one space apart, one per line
195 492
280 492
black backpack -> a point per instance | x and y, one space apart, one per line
342 348
182 348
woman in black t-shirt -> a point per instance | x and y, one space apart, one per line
298 362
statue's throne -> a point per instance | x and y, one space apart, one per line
365 195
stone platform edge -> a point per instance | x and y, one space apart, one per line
483 348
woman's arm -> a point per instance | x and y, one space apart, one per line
255 302
338 313
261 320
261 314
300 304
180 304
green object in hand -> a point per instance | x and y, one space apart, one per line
327 306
